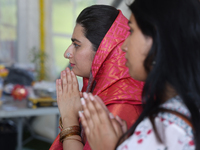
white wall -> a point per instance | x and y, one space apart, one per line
28 29
123 6
28 34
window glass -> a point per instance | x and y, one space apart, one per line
8 34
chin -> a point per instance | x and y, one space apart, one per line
138 78
75 72
133 75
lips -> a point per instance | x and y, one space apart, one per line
72 65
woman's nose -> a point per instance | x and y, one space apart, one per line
68 52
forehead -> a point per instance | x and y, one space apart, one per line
78 32
132 20
79 36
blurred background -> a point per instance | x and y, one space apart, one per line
34 35
20 29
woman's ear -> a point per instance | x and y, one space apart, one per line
147 45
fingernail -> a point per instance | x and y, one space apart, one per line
85 95
91 97
118 117
111 116
67 69
72 72
82 101
64 73
80 114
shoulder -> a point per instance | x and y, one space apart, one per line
174 132
171 128
172 136
169 119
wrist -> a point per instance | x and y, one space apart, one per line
69 121
71 133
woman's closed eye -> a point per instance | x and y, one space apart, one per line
131 31
76 45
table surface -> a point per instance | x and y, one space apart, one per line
14 108
18 109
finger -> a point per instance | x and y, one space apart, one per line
122 123
84 123
87 112
69 79
119 120
92 109
102 112
124 127
74 81
117 127
102 104
59 89
64 80
61 76
81 94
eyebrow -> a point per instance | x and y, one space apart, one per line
75 40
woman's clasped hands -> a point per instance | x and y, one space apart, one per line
68 97
102 129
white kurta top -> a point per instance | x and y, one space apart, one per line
174 132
